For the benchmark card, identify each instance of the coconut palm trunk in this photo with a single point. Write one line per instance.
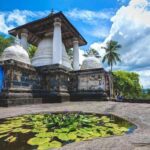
(112, 57)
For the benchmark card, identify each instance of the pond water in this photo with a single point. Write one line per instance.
(53, 130)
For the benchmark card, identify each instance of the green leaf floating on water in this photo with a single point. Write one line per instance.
(53, 144)
(111, 125)
(21, 130)
(11, 139)
(123, 129)
(5, 130)
(45, 134)
(38, 141)
(65, 127)
(39, 130)
(64, 130)
(105, 119)
(63, 137)
(72, 135)
(3, 135)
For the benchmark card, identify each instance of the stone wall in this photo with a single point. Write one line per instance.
(24, 84)
(91, 84)
(21, 85)
(55, 81)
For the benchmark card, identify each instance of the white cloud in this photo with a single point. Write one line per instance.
(94, 22)
(97, 46)
(144, 77)
(131, 28)
(11, 19)
(3, 27)
(89, 16)
(98, 32)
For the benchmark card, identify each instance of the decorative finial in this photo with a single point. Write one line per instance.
(17, 40)
(52, 12)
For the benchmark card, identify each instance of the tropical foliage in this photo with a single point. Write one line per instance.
(127, 84)
(70, 54)
(31, 50)
(111, 56)
(92, 52)
(45, 131)
(145, 94)
(5, 42)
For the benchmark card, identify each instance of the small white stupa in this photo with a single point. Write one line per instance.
(91, 62)
(16, 52)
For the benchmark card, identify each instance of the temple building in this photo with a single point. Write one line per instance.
(49, 76)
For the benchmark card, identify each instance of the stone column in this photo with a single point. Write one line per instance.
(57, 42)
(76, 54)
(24, 39)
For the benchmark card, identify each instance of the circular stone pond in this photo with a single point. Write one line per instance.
(53, 130)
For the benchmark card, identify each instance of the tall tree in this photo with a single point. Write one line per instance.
(5, 42)
(127, 84)
(111, 56)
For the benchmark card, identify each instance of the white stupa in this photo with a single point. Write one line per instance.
(91, 62)
(44, 54)
(52, 35)
(16, 52)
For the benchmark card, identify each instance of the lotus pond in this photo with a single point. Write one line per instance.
(53, 130)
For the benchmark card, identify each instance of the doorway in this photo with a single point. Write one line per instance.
(1, 78)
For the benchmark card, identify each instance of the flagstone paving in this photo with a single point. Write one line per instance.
(136, 113)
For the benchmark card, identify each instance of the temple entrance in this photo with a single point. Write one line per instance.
(1, 77)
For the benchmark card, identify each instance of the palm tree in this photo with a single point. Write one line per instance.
(111, 56)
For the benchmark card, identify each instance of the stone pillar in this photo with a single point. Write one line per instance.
(24, 39)
(57, 42)
(75, 54)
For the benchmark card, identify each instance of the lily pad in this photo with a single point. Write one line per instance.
(38, 141)
(72, 135)
(21, 130)
(105, 119)
(11, 139)
(53, 144)
(65, 127)
(3, 135)
(5, 131)
(63, 137)
(123, 129)
(39, 130)
(45, 134)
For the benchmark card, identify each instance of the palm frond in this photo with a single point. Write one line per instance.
(111, 56)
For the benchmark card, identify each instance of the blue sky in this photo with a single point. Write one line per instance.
(126, 21)
(63, 5)
(105, 6)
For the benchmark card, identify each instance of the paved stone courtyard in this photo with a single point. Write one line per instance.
(136, 113)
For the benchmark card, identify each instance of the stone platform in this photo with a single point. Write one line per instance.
(139, 114)
(25, 84)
